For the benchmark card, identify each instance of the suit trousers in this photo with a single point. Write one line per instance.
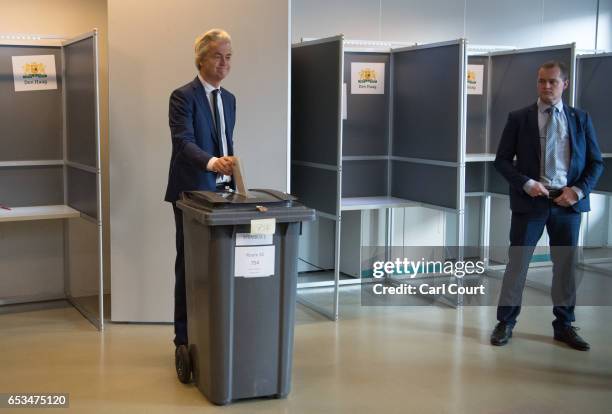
(563, 226)
(180, 298)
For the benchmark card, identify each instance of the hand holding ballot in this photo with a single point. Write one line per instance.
(224, 165)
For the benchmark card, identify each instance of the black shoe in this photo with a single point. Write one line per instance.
(501, 334)
(569, 336)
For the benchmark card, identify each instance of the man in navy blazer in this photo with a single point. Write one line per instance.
(549, 155)
(202, 117)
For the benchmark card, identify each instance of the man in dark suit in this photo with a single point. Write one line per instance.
(202, 117)
(558, 162)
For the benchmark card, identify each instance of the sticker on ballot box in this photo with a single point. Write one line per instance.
(248, 239)
(263, 226)
(254, 261)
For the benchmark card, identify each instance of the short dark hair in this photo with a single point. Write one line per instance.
(556, 64)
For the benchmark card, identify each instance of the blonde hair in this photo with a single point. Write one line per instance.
(202, 43)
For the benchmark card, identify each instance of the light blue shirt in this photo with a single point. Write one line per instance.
(562, 148)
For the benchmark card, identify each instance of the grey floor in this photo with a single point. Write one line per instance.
(384, 359)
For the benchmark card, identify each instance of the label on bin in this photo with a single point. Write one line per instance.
(248, 239)
(263, 226)
(254, 261)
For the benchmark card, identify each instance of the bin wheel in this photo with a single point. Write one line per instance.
(183, 364)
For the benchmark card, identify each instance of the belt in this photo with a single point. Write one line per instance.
(554, 193)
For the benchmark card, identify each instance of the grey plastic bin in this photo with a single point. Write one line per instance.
(240, 329)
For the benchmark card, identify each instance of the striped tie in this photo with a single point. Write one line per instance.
(553, 134)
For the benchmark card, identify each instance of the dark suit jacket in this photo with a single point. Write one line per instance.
(194, 142)
(521, 138)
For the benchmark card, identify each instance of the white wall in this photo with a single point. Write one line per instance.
(521, 23)
(150, 54)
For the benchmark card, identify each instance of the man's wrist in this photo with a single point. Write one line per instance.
(211, 163)
(578, 191)
(529, 185)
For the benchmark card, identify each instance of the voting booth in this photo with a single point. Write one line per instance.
(50, 173)
(415, 126)
(594, 95)
(510, 84)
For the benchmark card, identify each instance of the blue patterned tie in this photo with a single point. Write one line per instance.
(553, 134)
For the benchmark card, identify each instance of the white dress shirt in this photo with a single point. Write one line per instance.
(208, 89)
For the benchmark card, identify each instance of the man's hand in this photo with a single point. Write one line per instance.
(224, 165)
(537, 190)
(567, 198)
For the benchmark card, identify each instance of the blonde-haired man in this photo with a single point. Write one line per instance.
(550, 157)
(202, 117)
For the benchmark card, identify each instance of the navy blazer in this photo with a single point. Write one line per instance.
(194, 142)
(521, 138)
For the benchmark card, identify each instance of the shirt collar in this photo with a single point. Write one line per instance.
(208, 88)
(542, 107)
